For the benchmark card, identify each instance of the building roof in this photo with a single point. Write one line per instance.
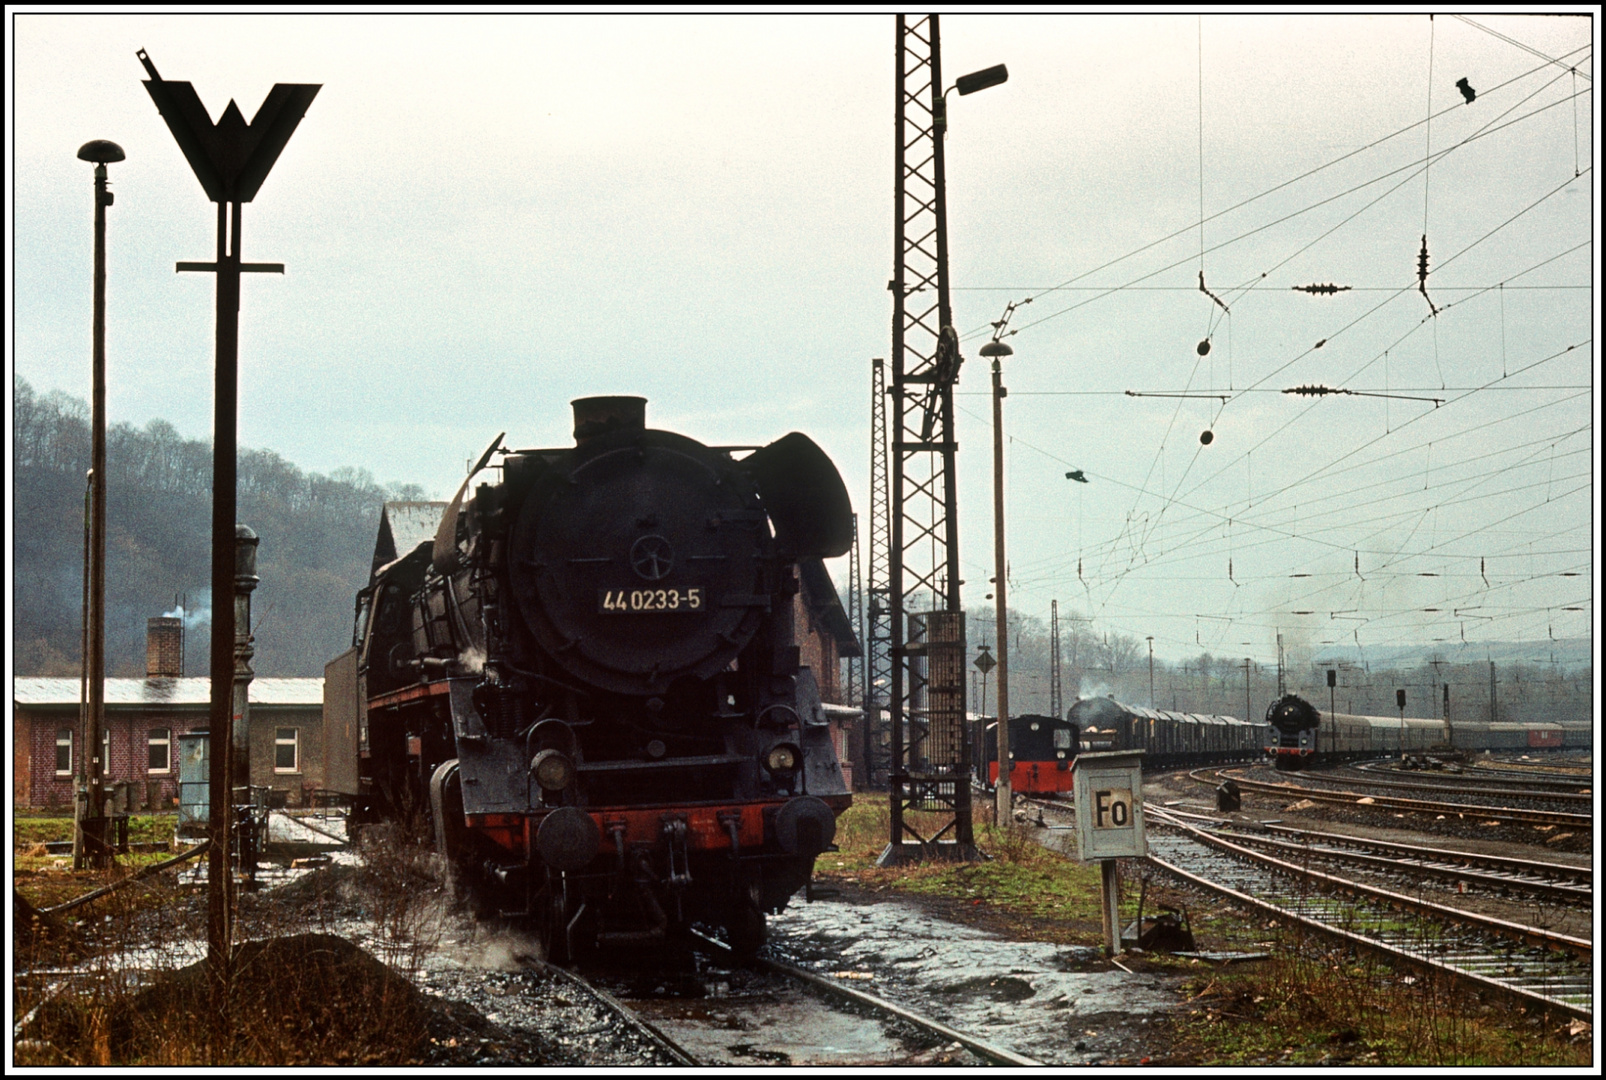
(826, 606)
(156, 693)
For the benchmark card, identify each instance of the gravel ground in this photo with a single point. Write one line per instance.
(482, 1003)
(1470, 834)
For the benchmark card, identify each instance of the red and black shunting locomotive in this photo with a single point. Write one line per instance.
(590, 680)
(1041, 752)
(1294, 722)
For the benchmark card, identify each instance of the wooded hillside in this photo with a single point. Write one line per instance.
(317, 539)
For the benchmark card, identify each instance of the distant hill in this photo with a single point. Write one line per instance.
(317, 541)
(1570, 654)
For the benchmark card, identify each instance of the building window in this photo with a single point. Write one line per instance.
(64, 751)
(159, 750)
(286, 750)
(105, 752)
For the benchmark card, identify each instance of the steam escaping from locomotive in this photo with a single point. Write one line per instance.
(589, 675)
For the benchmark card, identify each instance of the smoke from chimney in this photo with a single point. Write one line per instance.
(195, 617)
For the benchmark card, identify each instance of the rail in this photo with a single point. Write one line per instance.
(678, 1054)
(980, 1047)
(1390, 802)
(1557, 972)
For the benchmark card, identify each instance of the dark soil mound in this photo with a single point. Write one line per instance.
(310, 999)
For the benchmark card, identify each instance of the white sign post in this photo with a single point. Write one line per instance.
(1109, 823)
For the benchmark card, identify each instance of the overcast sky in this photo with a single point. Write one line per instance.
(485, 216)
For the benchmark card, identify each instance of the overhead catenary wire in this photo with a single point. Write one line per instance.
(1145, 534)
(1230, 514)
(1111, 290)
(1162, 510)
(1370, 574)
(1278, 187)
(1513, 41)
(1104, 604)
(1276, 534)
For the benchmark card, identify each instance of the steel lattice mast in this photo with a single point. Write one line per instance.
(930, 767)
(878, 612)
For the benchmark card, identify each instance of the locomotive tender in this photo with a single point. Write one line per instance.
(589, 681)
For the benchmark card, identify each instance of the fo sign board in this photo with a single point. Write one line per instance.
(1109, 805)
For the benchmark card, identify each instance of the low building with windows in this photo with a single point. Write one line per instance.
(139, 742)
(825, 638)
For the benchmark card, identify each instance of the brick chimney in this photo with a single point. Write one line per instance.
(164, 647)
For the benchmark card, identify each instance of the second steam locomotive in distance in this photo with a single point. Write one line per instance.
(590, 682)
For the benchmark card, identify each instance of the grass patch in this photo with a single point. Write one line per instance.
(46, 879)
(142, 829)
(1020, 881)
(1316, 1004)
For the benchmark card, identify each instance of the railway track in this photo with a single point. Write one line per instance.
(773, 1013)
(649, 1032)
(1391, 802)
(1553, 770)
(1564, 882)
(1529, 963)
(1564, 791)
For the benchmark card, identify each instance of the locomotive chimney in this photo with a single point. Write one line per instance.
(595, 416)
(164, 648)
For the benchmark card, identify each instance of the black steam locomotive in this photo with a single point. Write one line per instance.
(1295, 722)
(589, 681)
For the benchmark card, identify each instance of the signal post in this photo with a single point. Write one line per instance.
(1109, 824)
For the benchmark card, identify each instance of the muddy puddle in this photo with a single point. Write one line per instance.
(772, 1026)
(1056, 1003)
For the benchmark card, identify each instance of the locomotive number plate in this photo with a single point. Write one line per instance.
(641, 601)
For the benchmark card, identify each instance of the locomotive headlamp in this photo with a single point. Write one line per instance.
(783, 759)
(553, 770)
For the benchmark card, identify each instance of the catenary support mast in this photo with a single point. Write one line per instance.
(930, 768)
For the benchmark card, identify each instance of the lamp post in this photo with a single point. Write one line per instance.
(102, 152)
(997, 350)
(1248, 714)
(1151, 671)
(1399, 698)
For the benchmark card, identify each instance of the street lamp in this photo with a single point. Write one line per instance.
(102, 152)
(997, 350)
(968, 84)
